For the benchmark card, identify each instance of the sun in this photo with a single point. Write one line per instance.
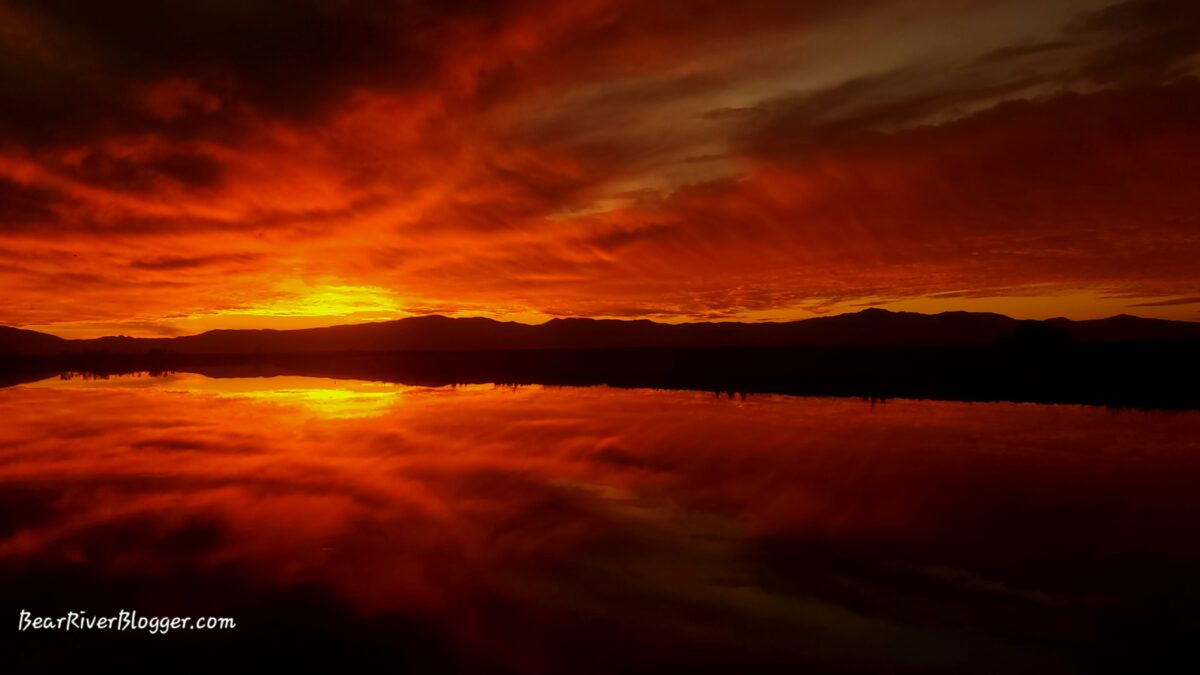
(302, 304)
(326, 300)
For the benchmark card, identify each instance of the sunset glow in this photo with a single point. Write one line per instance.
(316, 397)
(594, 337)
(168, 168)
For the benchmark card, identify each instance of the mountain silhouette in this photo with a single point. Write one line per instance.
(870, 327)
(29, 342)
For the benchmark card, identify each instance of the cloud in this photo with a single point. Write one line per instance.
(1146, 40)
(23, 206)
(189, 170)
(292, 59)
(529, 158)
(1023, 50)
(172, 263)
(1169, 303)
(611, 504)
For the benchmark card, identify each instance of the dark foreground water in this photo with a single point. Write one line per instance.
(363, 526)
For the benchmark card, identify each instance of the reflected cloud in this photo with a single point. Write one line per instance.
(529, 526)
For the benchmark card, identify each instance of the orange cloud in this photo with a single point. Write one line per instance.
(531, 159)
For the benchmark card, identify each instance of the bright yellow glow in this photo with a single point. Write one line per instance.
(300, 305)
(327, 403)
(291, 305)
(316, 396)
(340, 300)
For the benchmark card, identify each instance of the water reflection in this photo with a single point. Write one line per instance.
(317, 395)
(592, 530)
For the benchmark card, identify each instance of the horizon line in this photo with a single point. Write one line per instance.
(552, 319)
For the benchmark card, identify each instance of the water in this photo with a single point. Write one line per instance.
(538, 530)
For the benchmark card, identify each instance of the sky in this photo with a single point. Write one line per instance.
(172, 167)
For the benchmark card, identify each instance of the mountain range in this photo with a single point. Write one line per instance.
(870, 327)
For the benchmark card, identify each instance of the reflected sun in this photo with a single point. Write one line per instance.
(312, 396)
(317, 396)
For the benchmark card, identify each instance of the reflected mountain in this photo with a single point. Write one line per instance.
(1120, 361)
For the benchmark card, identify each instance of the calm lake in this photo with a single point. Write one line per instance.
(595, 530)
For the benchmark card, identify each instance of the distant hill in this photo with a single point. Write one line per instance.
(1125, 328)
(871, 327)
(18, 341)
